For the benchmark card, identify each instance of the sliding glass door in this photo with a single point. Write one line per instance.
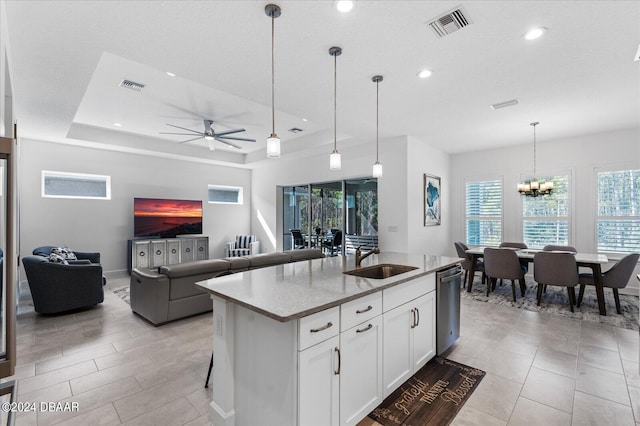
(334, 216)
(295, 214)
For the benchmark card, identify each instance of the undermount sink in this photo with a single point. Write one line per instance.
(384, 270)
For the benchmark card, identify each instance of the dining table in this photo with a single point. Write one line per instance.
(594, 261)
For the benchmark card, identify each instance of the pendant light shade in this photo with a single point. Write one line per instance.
(377, 167)
(273, 141)
(335, 161)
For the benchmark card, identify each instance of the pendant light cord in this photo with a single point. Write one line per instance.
(377, 116)
(534, 150)
(273, 110)
(335, 101)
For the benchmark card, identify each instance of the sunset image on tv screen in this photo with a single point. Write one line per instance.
(166, 218)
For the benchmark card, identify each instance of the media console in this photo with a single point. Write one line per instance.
(148, 253)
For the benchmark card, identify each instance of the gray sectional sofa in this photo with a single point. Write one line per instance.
(169, 293)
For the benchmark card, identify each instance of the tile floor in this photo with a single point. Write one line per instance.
(541, 369)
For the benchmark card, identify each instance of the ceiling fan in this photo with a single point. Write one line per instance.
(210, 135)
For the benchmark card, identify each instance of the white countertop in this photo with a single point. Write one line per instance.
(295, 290)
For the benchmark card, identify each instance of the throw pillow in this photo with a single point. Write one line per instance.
(64, 252)
(56, 258)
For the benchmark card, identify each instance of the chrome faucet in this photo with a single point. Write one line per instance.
(360, 256)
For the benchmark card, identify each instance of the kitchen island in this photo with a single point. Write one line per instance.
(303, 343)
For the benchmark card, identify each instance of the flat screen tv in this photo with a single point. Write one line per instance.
(166, 218)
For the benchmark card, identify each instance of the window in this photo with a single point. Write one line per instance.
(618, 221)
(75, 185)
(484, 212)
(545, 219)
(225, 194)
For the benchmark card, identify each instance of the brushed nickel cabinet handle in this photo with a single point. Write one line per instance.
(369, 327)
(418, 314)
(337, 351)
(362, 311)
(315, 330)
(413, 318)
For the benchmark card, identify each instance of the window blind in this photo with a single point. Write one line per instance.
(618, 223)
(546, 219)
(483, 200)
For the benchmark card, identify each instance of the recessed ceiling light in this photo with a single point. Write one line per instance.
(535, 33)
(304, 119)
(170, 74)
(344, 6)
(117, 124)
(424, 73)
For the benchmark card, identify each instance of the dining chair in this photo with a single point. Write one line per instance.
(517, 245)
(461, 249)
(513, 245)
(560, 269)
(297, 239)
(335, 242)
(553, 247)
(504, 264)
(615, 278)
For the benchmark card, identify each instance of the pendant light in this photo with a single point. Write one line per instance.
(535, 187)
(377, 167)
(334, 159)
(273, 141)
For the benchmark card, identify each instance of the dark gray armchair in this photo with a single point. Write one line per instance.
(56, 287)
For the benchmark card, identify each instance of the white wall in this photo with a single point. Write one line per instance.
(106, 225)
(422, 159)
(5, 100)
(400, 205)
(581, 156)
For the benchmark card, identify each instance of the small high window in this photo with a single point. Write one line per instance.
(219, 194)
(75, 185)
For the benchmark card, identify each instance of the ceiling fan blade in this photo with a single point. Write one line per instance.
(238, 139)
(184, 128)
(228, 132)
(189, 140)
(228, 143)
(170, 133)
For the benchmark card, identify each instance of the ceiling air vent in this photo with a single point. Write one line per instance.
(450, 22)
(128, 84)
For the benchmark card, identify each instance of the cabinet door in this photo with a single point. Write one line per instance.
(361, 371)
(188, 250)
(202, 248)
(140, 254)
(318, 384)
(158, 252)
(424, 333)
(173, 252)
(397, 352)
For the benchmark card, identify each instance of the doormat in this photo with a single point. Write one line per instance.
(432, 396)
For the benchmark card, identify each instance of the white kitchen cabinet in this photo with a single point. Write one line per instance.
(319, 383)
(360, 370)
(340, 378)
(409, 334)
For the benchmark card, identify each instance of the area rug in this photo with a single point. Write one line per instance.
(556, 302)
(432, 396)
(122, 293)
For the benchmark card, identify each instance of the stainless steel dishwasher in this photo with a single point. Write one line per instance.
(447, 307)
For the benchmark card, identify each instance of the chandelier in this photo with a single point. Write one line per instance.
(534, 187)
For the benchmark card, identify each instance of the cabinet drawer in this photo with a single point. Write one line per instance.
(402, 293)
(360, 310)
(318, 327)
